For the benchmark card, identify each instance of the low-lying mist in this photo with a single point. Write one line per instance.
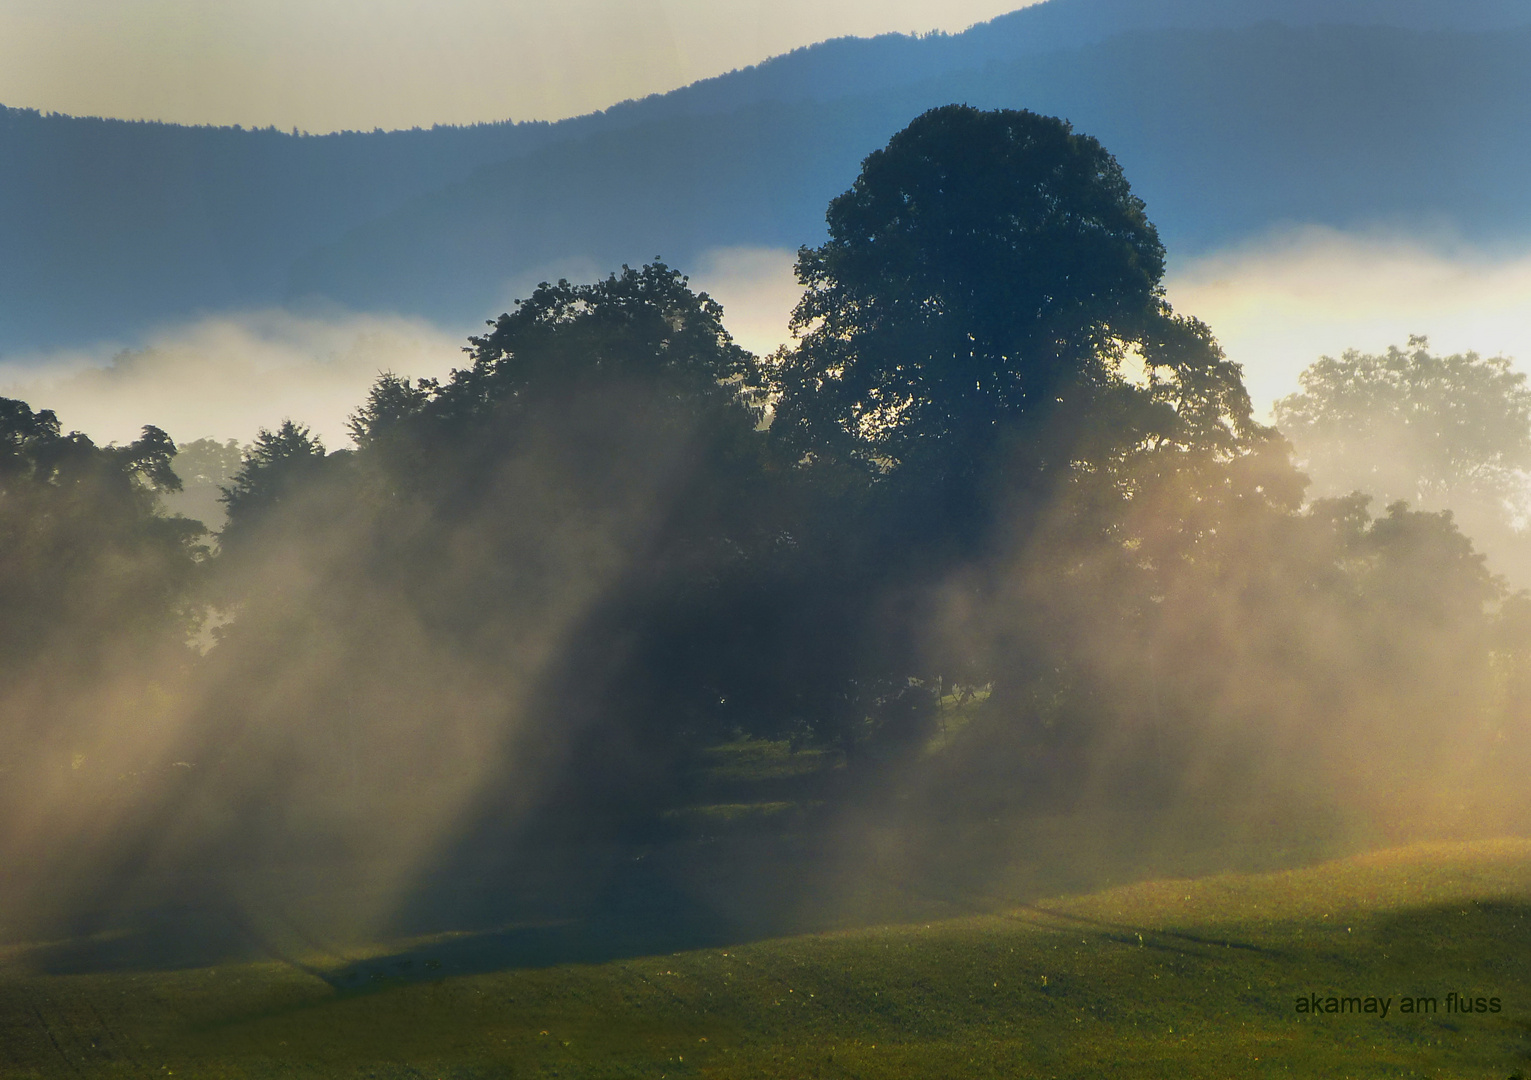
(227, 376)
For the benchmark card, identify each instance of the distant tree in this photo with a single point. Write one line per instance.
(204, 467)
(1408, 424)
(208, 462)
(87, 561)
(1440, 432)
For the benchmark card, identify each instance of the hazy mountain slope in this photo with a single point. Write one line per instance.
(1223, 132)
(848, 67)
(107, 227)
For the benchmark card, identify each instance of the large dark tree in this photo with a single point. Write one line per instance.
(984, 331)
(985, 275)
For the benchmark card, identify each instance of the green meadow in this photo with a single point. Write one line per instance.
(1166, 978)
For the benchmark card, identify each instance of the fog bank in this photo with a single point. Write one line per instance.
(227, 376)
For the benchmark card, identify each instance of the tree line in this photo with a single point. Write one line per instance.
(994, 456)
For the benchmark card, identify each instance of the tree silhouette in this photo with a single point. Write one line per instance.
(988, 311)
(984, 329)
(278, 465)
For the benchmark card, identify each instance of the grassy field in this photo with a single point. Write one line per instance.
(1170, 978)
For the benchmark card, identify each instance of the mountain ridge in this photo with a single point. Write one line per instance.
(108, 227)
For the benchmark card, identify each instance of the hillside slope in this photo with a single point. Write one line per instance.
(1223, 111)
(1224, 133)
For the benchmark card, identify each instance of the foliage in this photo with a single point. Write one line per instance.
(985, 271)
(89, 564)
(1441, 432)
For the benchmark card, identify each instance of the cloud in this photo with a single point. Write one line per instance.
(228, 376)
(757, 289)
(1281, 301)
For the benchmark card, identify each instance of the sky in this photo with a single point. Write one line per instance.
(330, 65)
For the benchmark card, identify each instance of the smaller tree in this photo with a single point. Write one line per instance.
(642, 326)
(204, 468)
(276, 467)
(1439, 432)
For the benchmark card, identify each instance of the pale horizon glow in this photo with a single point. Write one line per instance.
(348, 65)
(228, 376)
(1279, 302)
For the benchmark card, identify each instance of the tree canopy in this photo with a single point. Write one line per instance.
(1410, 424)
(276, 467)
(1440, 432)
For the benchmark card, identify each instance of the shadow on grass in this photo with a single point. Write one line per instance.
(623, 911)
(582, 942)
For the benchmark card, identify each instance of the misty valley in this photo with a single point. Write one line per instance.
(973, 686)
